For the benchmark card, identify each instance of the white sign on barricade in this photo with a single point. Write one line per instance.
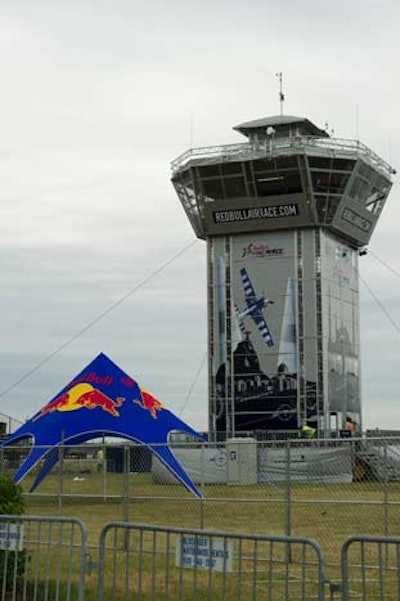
(204, 552)
(11, 537)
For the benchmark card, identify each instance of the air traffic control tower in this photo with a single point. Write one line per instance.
(286, 216)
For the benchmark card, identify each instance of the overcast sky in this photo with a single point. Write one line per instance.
(97, 97)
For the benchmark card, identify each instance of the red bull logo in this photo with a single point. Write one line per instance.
(149, 403)
(83, 395)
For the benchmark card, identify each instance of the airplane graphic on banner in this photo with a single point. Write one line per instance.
(255, 307)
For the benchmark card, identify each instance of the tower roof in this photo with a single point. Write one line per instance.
(279, 123)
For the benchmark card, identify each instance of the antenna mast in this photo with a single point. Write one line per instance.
(281, 94)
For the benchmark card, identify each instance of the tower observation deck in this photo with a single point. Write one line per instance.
(285, 216)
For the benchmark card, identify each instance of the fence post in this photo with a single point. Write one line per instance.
(60, 472)
(125, 504)
(104, 468)
(288, 513)
(386, 499)
(386, 489)
(288, 516)
(202, 478)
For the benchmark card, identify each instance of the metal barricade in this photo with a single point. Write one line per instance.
(174, 564)
(42, 558)
(371, 568)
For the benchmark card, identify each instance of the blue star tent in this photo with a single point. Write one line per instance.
(101, 400)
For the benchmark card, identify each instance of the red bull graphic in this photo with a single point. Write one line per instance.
(149, 402)
(82, 395)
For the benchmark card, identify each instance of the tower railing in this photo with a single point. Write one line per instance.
(331, 147)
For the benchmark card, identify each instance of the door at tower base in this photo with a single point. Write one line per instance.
(253, 341)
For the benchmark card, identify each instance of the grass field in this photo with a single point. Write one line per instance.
(327, 513)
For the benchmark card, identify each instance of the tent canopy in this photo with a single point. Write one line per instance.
(102, 400)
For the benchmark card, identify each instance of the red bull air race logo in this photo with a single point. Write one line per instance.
(260, 250)
(84, 395)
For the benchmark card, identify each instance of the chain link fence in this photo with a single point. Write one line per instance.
(327, 490)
